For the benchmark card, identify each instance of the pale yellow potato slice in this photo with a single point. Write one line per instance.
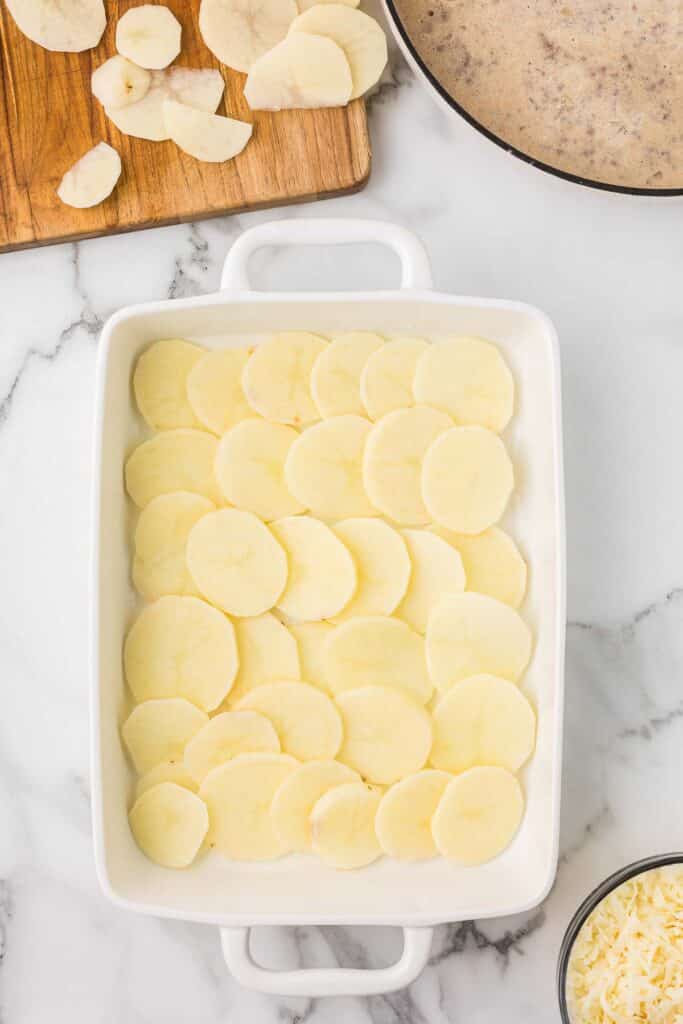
(238, 32)
(226, 736)
(376, 650)
(467, 479)
(303, 72)
(70, 26)
(382, 566)
(343, 826)
(335, 377)
(386, 383)
(149, 35)
(361, 38)
(478, 815)
(267, 653)
(493, 564)
(469, 379)
(324, 468)
(181, 647)
(250, 468)
(404, 818)
(307, 722)
(483, 720)
(159, 565)
(174, 460)
(310, 638)
(276, 379)
(169, 824)
(437, 572)
(322, 574)
(238, 795)
(158, 730)
(392, 461)
(471, 634)
(387, 735)
(214, 389)
(160, 383)
(165, 771)
(293, 803)
(236, 562)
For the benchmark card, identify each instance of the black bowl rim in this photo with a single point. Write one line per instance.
(539, 164)
(591, 901)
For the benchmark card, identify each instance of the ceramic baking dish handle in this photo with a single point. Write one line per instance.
(415, 269)
(327, 981)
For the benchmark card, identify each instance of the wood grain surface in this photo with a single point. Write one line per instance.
(49, 118)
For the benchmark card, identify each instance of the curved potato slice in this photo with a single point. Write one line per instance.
(302, 72)
(404, 817)
(293, 803)
(376, 650)
(70, 26)
(250, 468)
(386, 383)
(277, 377)
(387, 735)
(240, 31)
(322, 575)
(382, 566)
(214, 389)
(493, 564)
(478, 815)
(324, 468)
(360, 37)
(160, 383)
(159, 565)
(267, 651)
(158, 730)
(335, 378)
(343, 826)
(437, 573)
(174, 460)
(306, 720)
(226, 736)
(165, 771)
(169, 824)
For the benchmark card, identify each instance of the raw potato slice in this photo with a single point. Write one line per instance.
(471, 634)
(310, 638)
(158, 730)
(375, 650)
(382, 565)
(343, 826)
(276, 379)
(165, 771)
(296, 797)
(483, 720)
(236, 562)
(386, 383)
(393, 460)
(207, 137)
(175, 460)
(92, 178)
(324, 468)
(493, 564)
(322, 575)
(70, 26)
(306, 721)
(159, 565)
(387, 735)
(478, 815)
(250, 468)
(467, 479)
(335, 378)
(302, 72)
(118, 82)
(169, 824)
(238, 795)
(359, 36)
(181, 647)
(149, 35)
(240, 31)
(196, 87)
(305, 4)
(404, 818)
(214, 389)
(226, 736)
(201, 88)
(160, 383)
(267, 652)
(469, 379)
(437, 574)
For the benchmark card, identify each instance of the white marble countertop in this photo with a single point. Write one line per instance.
(607, 269)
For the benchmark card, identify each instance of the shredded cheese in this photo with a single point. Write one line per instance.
(626, 965)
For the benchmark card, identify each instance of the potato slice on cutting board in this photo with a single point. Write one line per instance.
(238, 32)
(322, 574)
(294, 801)
(118, 82)
(478, 815)
(310, 638)
(493, 563)
(471, 634)
(236, 562)
(360, 37)
(226, 736)
(149, 35)
(404, 817)
(160, 383)
(169, 824)
(376, 650)
(343, 826)
(437, 573)
(387, 735)
(335, 378)
(382, 566)
(174, 460)
(305, 719)
(214, 389)
(201, 88)
(165, 771)
(159, 564)
(277, 377)
(267, 652)
(92, 178)
(238, 795)
(69, 26)
(207, 137)
(181, 647)
(302, 72)
(250, 468)
(386, 383)
(324, 468)
(158, 730)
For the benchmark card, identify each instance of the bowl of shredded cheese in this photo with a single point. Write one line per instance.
(621, 960)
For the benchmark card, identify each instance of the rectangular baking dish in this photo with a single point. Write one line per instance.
(299, 890)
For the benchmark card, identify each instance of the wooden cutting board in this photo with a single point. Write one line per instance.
(49, 118)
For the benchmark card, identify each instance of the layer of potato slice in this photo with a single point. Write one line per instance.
(169, 824)
(306, 720)
(158, 730)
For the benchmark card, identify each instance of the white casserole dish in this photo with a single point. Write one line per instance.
(299, 890)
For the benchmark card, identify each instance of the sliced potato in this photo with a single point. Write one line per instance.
(382, 566)
(387, 735)
(174, 460)
(238, 32)
(310, 638)
(375, 650)
(322, 575)
(165, 771)
(214, 389)
(478, 815)
(335, 378)
(293, 803)
(437, 573)
(158, 730)
(159, 565)
(302, 72)
(493, 563)
(197, 87)
(386, 383)
(207, 137)
(118, 82)
(160, 383)
(149, 35)
(226, 736)
(324, 468)
(276, 379)
(92, 178)
(69, 26)
(306, 721)
(343, 826)
(404, 818)
(169, 824)
(250, 468)
(267, 651)
(360, 37)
